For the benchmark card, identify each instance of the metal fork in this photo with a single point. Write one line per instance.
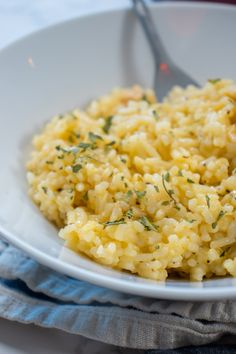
(167, 73)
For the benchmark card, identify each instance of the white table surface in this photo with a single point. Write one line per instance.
(18, 18)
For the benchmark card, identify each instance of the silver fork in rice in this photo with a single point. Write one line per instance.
(167, 74)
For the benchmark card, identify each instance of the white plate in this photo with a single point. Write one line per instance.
(66, 65)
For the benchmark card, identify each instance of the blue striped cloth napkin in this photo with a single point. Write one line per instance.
(32, 293)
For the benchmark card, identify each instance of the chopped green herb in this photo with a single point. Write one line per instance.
(72, 149)
(122, 178)
(221, 214)
(148, 225)
(156, 188)
(128, 195)
(84, 146)
(49, 162)
(115, 222)
(140, 194)
(214, 81)
(180, 173)
(170, 192)
(60, 116)
(107, 124)
(130, 213)
(94, 137)
(167, 177)
(191, 221)
(122, 159)
(190, 180)
(224, 251)
(176, 207)
(166, 202)
(61, 157)
(126, 185)
(156, 115)
(208, 201)
(76, 168)
(144, 98)
(111, 143)
(85, 196)
(45, 189)
(157, 247)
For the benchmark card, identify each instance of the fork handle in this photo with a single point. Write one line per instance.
(144, 15)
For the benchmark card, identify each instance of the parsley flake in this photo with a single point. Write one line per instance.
(140, 194)
(107, 124)
(128, 195)
(208, 201)
(76, 168)
(115, 222)
(214, 81)
(129, 213)
(45, 189)
(190, 180)
(148, 225)
(221, 214)
(170, 192)
(167, 177)
(84, 146)
(94, 137)
(111, 143)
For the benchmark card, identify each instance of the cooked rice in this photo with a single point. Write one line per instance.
(144, 186)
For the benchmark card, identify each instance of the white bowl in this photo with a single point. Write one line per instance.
(66, 65)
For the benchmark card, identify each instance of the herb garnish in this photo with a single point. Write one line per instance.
(128, 195)
(166, 202)
(122, 159)
(191, 221)
(148, 225)
(45, 189)
(221, 214)
(76, 168)
(156, 188)
(115, 222)
(180, 173)
(85, 196)
(107, 124)
(167, 177)
(140, 194)
(190, 180)
(156, 115)
(129, 213)
(223, 252)
(49, 162)
(111, 143)
(208, 201)
(84, 146)
(214, 81)
(144, 98)
(94, 137)
(170, 192)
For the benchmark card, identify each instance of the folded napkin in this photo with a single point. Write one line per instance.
(32, 293)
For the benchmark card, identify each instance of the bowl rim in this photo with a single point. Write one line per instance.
(154, 290)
